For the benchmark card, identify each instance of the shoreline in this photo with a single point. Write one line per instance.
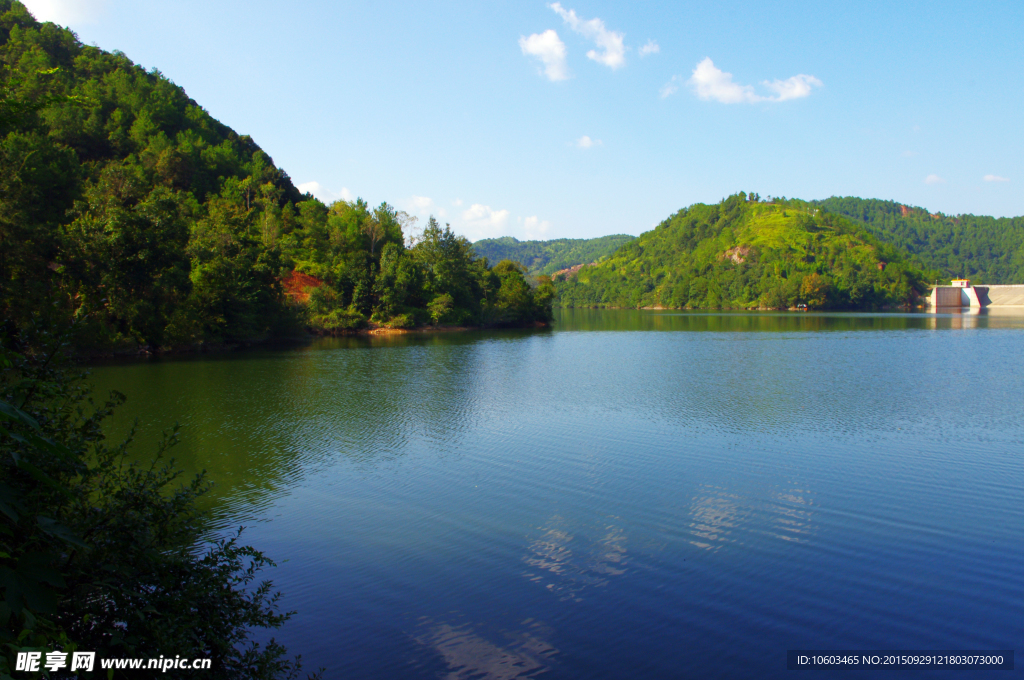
(202, 348)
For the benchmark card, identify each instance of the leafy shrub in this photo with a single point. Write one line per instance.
(402, 321)
(338, 320)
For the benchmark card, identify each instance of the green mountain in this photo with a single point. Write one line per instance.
(744, 253)
(986, 249)
(547, 257)
(126, 206)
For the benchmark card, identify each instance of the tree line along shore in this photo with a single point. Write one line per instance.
(131, 212)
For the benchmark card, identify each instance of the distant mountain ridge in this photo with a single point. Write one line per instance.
(547, 257)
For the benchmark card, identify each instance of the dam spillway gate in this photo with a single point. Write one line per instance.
(977, 296)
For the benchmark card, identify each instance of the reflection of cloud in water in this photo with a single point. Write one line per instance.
(718, 518)
(713, 519)
(573, 563)
(469, 655)
(792, 516)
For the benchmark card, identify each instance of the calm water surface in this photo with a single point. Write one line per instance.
(626, 495)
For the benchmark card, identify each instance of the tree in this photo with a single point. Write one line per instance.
(441, 307)
(407, 223)
(374, 231)
(448, 263)
(126, 250)
(398, 282)
(816, 290)
(514, 299)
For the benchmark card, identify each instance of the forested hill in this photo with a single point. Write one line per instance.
(744, 253)
(547, 257)
(986, 249)
(125, 205)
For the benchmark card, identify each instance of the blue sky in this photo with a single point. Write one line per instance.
(579, 119)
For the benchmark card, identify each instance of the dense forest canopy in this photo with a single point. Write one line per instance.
(548, 257)
(126, 203)
(743, 253)
(986, 249)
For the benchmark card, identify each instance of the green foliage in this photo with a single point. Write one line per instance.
(398, 280)
(745, 253)
(441, 308)
(516, 300)
(986, 249)
(126, 204)
(547, 257)
(402, 321)
(328, 312)
(450, 269)
(124, 199)
(98, 553)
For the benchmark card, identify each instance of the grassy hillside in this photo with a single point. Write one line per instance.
(744, 253)
(986, 249)
(547, 257)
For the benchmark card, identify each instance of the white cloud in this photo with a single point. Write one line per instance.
(422, 203)
(797, 87)
(995, 178)
(478, 213)
(650, 47)
(712, 83)
(482, 221)
(325, 195)
(535, 228)
(68, 12)
(934, 179)
(424, 206)
(671, 87)
(476, 221)
(613, 52)
(550, 50)
(586, 142)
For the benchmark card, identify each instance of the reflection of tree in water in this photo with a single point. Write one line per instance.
(260, 423)
(521, 654)
(567, 564)
(713, 518)
(585, 319)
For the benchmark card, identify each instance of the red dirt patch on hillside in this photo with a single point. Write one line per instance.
(737, 254)
(571, 271)
(297, 286)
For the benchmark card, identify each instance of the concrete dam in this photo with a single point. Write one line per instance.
(962, 294)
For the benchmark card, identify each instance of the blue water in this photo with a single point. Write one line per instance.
(627, 495)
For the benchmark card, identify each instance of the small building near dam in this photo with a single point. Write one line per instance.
(960, 293)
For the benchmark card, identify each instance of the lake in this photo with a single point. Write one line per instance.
(628, 494)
